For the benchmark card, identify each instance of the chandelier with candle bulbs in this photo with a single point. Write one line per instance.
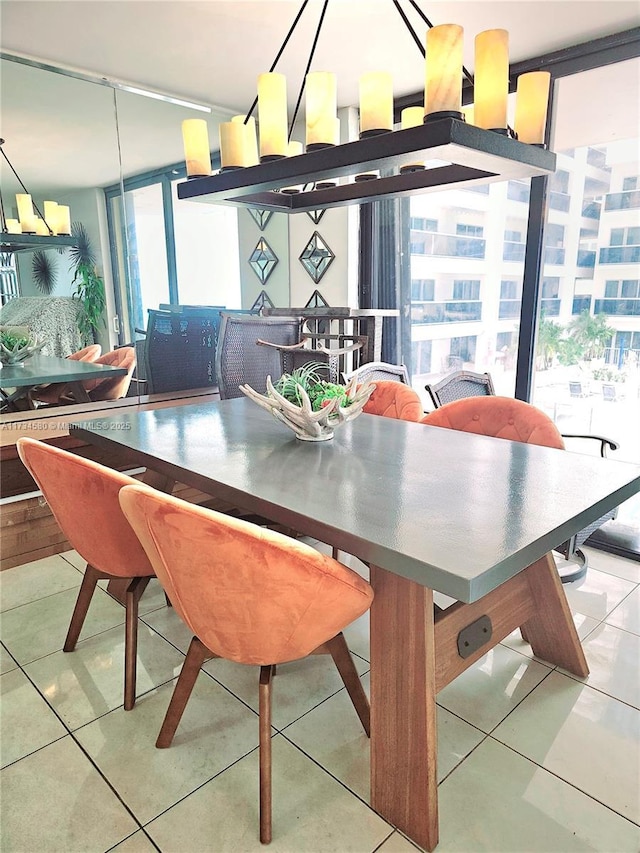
(438, 146)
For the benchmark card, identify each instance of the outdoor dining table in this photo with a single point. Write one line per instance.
(429, 510)
(43, 369)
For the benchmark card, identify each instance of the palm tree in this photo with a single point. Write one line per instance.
(592, 333)
(548, 341)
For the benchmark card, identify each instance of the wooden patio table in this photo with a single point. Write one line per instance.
(430, 510)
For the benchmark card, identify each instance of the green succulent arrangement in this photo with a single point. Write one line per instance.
(309, 377)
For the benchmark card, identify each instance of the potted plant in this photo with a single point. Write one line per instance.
(89, 285)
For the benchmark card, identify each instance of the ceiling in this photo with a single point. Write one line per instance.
(61, 132)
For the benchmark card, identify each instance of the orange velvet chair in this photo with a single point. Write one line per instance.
(117, 387)
(52, 393)
(394, 400)
(83, 497)
(500, 417)
(249, 595)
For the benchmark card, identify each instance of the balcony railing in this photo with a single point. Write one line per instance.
(509, 308)
(447, 245)
(628, 200)
(446, 312)
(620, 255)
(586, 258)
(592, 209)
(553, 255)
(513, 251)
(550, 307)
(580, 304)
(559, 201)
(618, 307)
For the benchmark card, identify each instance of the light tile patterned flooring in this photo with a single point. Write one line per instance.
(529, 757)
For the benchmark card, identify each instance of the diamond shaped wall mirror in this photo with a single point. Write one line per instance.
(262, 260)
(316, 257)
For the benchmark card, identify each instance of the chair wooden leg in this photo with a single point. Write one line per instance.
(266, 673)
(132, 597)
(349, 674)
(198, 653)
(89, 581)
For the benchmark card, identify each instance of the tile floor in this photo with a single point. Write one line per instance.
(530, 758)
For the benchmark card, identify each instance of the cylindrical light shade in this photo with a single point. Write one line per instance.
(321, 108)
(532, 98)
(26, 214)
(41, 227)
(250, 140)
(64, 219)
(272, 115)
(197, 154)
(443, 83)
(411, 117)
(232, 144)
(376, 103)
(491, 79)
(13, 226)
(51, 215)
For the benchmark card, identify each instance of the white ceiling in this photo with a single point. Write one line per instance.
(61, 131)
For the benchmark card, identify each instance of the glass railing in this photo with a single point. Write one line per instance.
(618, 307)
(628, 200)
(592, 209)
(586, 258)
(559, 201)
(550, 307)
(553, 255)
(512, 251)
(509, 308)
(447, 312)
(448, 245)
(580, 304)
(620, 255)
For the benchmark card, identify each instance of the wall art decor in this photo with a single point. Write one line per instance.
(262, 301)
(261, 217)
(263, 261)
(316, 257)
(316, 215)
(316, 300)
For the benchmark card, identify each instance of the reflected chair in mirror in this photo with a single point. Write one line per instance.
(394, 400)
(327, 350)
(458, 385)
(241, 360)
(180, 349)
(50, 394)
(504, 417)
(375, 370)
(110, 388)
(251, 596)
(83, 497)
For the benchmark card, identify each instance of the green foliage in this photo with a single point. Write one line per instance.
(89, 285)
(592, 333)
(605, 374)
(12, 341)
(319, 390)
(548, 340)
(570, 351)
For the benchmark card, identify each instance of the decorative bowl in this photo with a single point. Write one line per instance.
(15, 348)
(307, 424)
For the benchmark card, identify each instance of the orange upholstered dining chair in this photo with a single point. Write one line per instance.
(249, 595)
(116, 387)
(83, 497)
(394, 400)
(52, 393)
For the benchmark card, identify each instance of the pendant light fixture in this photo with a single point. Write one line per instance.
(438, 151)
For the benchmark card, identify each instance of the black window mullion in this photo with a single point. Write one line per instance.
(172, 269)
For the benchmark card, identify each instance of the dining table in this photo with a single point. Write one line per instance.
(44, 369)
(429, 510)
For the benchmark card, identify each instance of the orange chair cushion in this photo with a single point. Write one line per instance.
(394, 400)
(116, 387)
(52, 392)
(250, 594)
(90, 353)
(83, 497)
(500, 417)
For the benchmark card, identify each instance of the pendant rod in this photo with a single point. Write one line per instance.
(38, 211)
(279, 54)
(304, 76)
(414, 34)
(466, 73)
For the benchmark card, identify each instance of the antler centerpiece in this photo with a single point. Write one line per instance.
(309, 406)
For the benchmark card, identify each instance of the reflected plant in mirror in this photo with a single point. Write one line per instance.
(89, 285)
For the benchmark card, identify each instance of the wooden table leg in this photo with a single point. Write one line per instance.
(404, 785)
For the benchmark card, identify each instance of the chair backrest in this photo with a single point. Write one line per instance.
(500, 417)
(608, 392)
(83, 497)
(375, 370)
(394, 400)
(575, 389)
(250, 594)
(241, 360)
(458, 385)
(116, 387)
(180, 349)
(90, 353)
